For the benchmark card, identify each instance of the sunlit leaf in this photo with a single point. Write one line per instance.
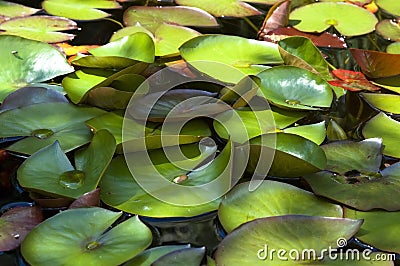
(385, 102)
(377, 64)
(9, 9)
(277, 17)
(389, 6)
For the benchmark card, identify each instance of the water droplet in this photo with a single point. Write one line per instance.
(72, 179)
(292, 102)
(42, 133)
(92, 245)
(180, 179)
(16, 236)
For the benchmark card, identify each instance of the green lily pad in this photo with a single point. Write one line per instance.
(22, 59)
(40, 28)
(250, 244)
(263, 2)
(31, 95)
(389, 6)
(335, 131)
(294, 155)
(239, 56)
(345, 156)
(11, 10)
(314, 132)
(389, 29)
(182, 257)
(45, 123)
(382, 126)
(50, 172)
(120, 189)
(296, 88)
(271, 199)
(385, 102)
(138, 46)
(147, 257)
(105, 62)
(380, 228)
(223, 8)
(79, 10)
(83, 231)
(348, 19)
(301, 52)
(393, 48)
(151, 17)
(16, 224)
(126, 31)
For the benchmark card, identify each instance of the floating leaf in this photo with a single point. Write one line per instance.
(270, 199)
(345, 156)
(50, 172)
(380, 228)
(45, 123)
(222, 8)
(385, 102)
(182, 257)
(389, 29)
(16, 223)
(352, 81)
(393, 48)
(389, 6)
(238, 56)
(89, 199)
(9, 9)
(147, 257)
(382, 126)
(323, 39)
(250, 244)
(21, 60)
(83, 230)
(335, 131)
(277, 17)
(40, 28)
(297, 88)
(294, 155)
(377, 64)
(31, 95)
(314, 132)
(348, 19)
(138, 46)
(151, 17)
(79, 10)
(301, 52)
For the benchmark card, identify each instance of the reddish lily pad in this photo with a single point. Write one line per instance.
(222, 8)
(40, 28)
(348, 19)
(16, 223)
(277, 17)
(377, 64)
(352, 81)
(89, 199)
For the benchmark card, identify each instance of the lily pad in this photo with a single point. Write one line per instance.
(222, 8)
(250, 244)
(151, 17)
(147, 257)
(83, 230)
(89, 199)
(22, 58)
(377, 64)
(277, 17)
(351, 81)
(389, 6)
(385, 102)
(294, 155)
(345, 156)
(40, 28)
(182, 257)
(296, 88)
(301, 52)
(335, 132)
(393, 48)
(270, 199)
(239, 55)
(314, 132)
(50, 172)
(79, 10)
(16, 224)
(348, 19)
(138, 46)
(11, 10)
(380, 228)
(389, 29)
(31, 95)
(382, 126)
(48, 122)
